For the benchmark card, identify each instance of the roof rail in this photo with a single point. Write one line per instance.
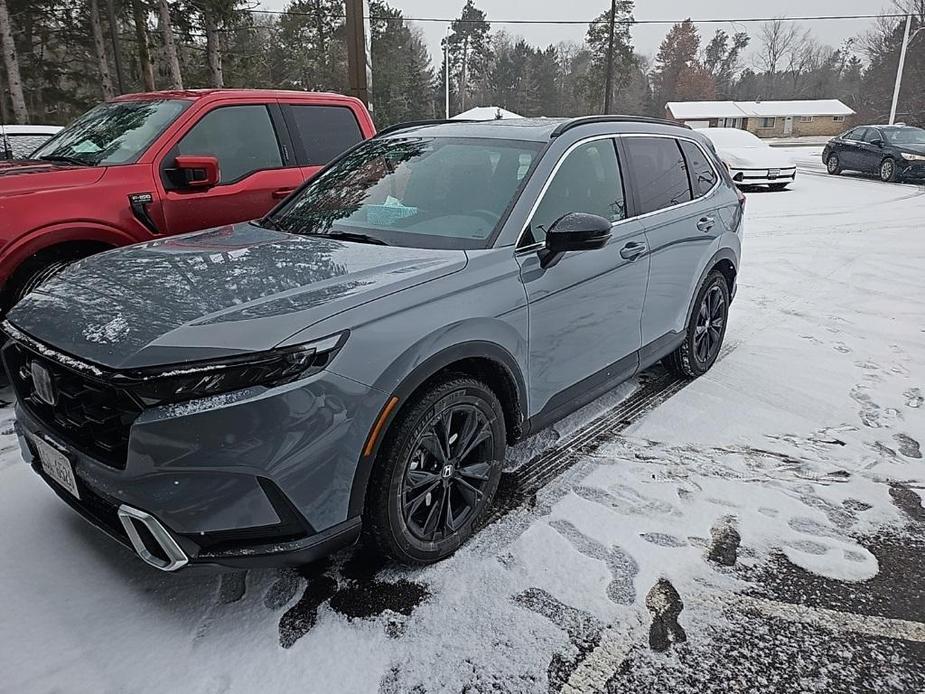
(589, 120)
(419, 123)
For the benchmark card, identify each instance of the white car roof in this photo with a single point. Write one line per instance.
(732, 137)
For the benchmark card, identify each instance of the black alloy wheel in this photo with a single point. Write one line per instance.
(436, 471)
(705, 331)
(711, 324)
(447, 474)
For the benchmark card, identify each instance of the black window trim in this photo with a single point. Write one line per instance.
(170, 156)
(617, 137)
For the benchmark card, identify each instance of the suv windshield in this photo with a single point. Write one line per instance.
(439, 192)
(113, 133)
(906, 136)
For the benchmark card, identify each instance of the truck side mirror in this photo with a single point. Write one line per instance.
(198, 171)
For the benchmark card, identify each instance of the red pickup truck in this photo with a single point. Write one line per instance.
(147, 165)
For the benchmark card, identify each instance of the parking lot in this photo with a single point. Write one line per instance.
(759, 529)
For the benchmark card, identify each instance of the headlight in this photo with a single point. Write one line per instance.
(913, 157)
(202, 379)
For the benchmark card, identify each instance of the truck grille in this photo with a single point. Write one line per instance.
(86, 413)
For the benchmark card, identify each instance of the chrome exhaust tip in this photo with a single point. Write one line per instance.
(150, 540)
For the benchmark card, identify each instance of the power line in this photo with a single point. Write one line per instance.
(444, 20)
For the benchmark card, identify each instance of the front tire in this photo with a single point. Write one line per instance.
(888, 171)
(833, 164)
(437, 471)
(35, 272)
(706, 329)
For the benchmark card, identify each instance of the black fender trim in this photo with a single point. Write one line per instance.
(423, 371)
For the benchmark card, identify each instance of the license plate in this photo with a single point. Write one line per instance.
(773, 173)
(56, 465)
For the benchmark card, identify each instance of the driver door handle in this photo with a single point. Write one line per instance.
(706, 223)
(282, 193)
(632, 250)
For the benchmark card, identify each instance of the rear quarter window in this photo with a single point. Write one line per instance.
(324, 132)
(702, 174)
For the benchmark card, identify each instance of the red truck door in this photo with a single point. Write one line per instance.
(321, 132)
(257, 168)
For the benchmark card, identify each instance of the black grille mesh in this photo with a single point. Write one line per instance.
(90, 415)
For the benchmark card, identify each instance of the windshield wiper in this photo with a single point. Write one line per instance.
(350, 236)
(65, 159)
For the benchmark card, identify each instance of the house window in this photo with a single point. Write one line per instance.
(838, 119)
(767, 122)
(806, 119)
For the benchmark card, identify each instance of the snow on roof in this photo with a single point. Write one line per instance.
(692, 110)
(685, 110)
(486, 113)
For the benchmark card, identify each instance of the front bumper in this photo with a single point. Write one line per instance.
(262, 477)
(911, 169)
(756, 177)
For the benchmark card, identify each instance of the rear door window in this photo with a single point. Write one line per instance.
(872, 135)
(241, 137)
(702, 174)
(660, 172)
(856, 135)
(324, 132)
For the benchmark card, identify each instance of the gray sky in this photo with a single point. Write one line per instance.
(646, 38)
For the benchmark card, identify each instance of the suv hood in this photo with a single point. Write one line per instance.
(29, 176)
(216, 293)
(754, 157)
(912, 149)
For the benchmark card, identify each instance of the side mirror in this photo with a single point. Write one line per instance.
(877, 143)
(575, 231)
(198, 171)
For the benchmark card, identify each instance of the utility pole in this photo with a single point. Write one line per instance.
(446, 72)
(116, 52)
(608, 82)
(899, 70)
(357, 56)
(463, 82)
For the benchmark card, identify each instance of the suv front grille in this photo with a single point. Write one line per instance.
(88, 413)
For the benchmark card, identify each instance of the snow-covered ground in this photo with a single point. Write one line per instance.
(779, 499)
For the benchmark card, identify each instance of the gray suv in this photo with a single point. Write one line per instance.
(254, 394)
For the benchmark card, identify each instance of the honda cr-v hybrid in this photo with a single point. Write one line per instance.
(253, 394)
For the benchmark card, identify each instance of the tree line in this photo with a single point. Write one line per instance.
(61, 56)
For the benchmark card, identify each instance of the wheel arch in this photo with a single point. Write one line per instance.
(64, 235)
(725, 261)
(487, 361)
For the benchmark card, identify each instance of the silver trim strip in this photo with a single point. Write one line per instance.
(614, 136)
(176, 557)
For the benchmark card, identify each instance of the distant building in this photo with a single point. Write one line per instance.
(765, 118)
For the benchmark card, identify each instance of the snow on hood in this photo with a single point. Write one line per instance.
(215, 293)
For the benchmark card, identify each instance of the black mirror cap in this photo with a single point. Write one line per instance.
(578, 231)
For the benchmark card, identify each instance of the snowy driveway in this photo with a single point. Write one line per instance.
(760, 529)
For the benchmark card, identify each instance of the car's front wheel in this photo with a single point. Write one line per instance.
(833, 164)
(888, 171)
(706, 329)
(437, 471)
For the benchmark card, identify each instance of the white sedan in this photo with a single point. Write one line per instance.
(751, 161)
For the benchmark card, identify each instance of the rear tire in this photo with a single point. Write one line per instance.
(437, 472)
(833, 164)
(706, 329)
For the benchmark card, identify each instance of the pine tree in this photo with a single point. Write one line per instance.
(624, 61)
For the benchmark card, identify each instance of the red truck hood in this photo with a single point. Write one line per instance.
(29, 176)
